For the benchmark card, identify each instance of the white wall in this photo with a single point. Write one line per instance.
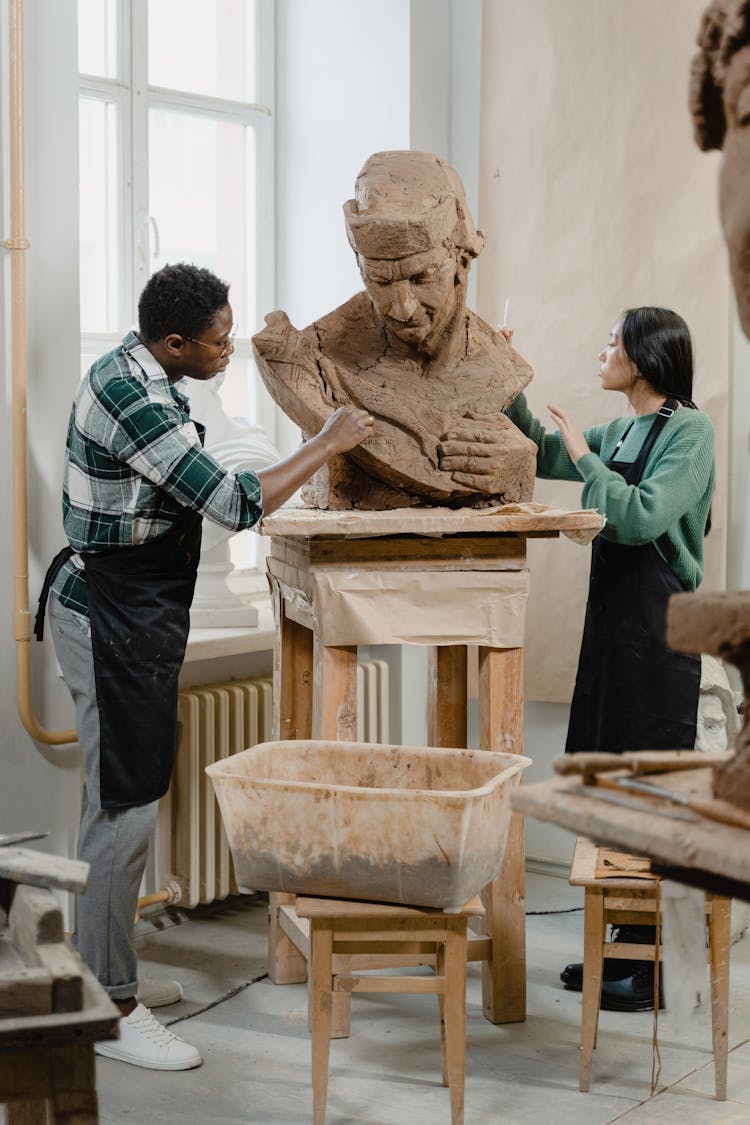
(40, 786)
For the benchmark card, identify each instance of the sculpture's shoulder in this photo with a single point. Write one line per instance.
(351, 335)
(489, 355)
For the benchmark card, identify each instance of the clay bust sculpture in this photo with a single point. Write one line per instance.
(720, 104)
(435, 377)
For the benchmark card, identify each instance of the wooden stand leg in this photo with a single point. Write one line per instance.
(447, 706)
(26, 1113)
(501, 728)
(292, 679)
(440, 972)
(455, 1017)
(334, 692)
(719, 929)
(292, 695)
(321, 995)
(593, 963)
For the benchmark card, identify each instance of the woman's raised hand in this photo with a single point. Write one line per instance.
(346, 428)
(570, 432)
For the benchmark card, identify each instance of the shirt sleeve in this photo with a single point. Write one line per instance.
(157, 440)
(677, 479)
(553, 460)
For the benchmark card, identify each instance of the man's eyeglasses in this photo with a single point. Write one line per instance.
(223, 349)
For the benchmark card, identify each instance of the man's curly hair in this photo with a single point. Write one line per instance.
(181, 298)
(724, 30)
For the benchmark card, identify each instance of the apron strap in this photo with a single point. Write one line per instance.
(59, 561)
(663, 414)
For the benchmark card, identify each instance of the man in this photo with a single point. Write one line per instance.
(136, 486)
(435, 376)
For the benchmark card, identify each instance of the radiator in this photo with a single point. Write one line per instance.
(215, 721)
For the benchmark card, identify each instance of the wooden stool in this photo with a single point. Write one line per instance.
(633, 902)
(341, 927)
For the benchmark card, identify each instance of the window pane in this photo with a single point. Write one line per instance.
(202, 196)
(99, 215)
(203, 47)
(97, 37)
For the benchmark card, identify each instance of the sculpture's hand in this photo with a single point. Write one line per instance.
(471, 452)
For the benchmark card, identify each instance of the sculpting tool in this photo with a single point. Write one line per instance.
(624, 803)
(712, 809)
(20, 838)
(505, 313)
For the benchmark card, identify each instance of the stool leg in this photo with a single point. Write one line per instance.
(286, 965)
(440, 972)
(321, 996)
(341, 1009)
(593, 961)
(719, 941)
(455, 1016)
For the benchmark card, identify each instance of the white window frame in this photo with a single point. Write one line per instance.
(134, 97)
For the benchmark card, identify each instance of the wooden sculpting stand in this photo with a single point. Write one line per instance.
(313, 556)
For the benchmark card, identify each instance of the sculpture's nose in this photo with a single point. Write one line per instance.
(403, 302)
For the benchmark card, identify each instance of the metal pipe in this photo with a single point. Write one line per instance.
(17, 245)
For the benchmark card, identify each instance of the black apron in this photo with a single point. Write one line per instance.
(139, 604)
(632, 691)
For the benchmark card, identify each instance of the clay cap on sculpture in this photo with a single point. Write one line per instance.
(406, 203)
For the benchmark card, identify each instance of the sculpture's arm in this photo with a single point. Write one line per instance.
(296, 374)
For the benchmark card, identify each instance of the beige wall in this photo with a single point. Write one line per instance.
(594, 198)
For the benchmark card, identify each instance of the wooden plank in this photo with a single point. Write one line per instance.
(408, 552)
(35, 918)
(98, 1019)
(447, 695)
(422, 985)
(309, 906)
(23, 990)
(334, 691)
(25, 865)
(286, 964)
(64, 966)
(428, 521)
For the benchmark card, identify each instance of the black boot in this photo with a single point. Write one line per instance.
(633, 994)
(614, 969)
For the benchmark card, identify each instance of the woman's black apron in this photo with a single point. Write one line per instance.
(632, 691)
(139, 604)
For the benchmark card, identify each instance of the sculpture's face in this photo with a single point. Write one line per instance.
(734, 183)
(416, 296)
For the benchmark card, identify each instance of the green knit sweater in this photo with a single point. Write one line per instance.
(670, 505)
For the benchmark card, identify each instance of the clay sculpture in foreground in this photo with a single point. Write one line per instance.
(409, 351)
(720, 104)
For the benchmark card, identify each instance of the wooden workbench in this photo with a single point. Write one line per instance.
(430, 576)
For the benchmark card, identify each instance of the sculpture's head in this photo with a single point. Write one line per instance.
(414, 238)
(720, 104)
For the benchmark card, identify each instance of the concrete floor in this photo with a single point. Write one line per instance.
(253, 1037)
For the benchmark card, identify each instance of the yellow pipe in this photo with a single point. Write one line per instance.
(17, 245)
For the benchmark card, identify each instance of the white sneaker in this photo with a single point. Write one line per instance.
(158, 993)
(144, 1042)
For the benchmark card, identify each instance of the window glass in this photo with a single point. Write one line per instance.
(99, 215)
(97, 37)
(203, 47)
(201, 192)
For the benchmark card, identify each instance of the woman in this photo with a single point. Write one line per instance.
(652, 476)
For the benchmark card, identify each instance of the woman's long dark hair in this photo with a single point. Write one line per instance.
(658, 342)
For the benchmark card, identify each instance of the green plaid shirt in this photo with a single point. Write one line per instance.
(134, 462)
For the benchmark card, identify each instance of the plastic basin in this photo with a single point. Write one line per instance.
(404, 824)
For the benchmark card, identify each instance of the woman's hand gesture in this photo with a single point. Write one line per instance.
(570, 432)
